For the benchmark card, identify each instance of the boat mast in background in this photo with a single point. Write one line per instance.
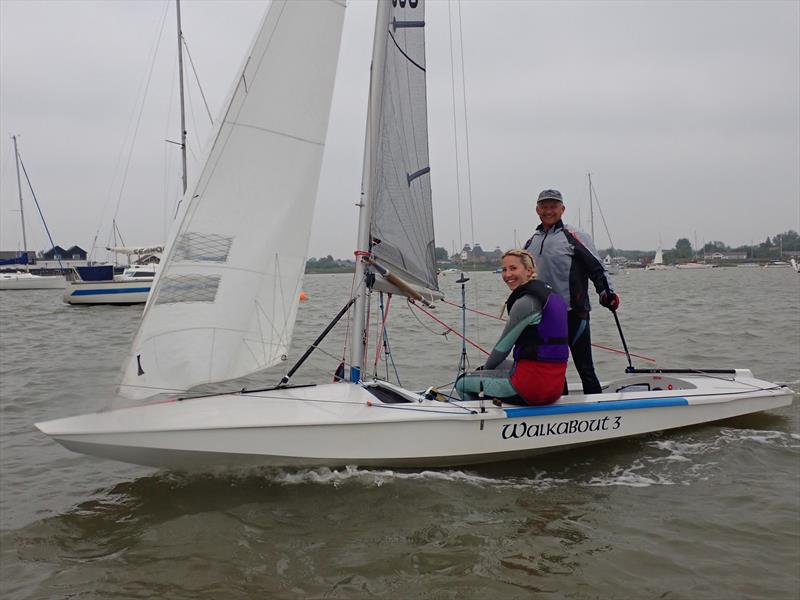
(591, 210)
(21, 209)
(27, 281)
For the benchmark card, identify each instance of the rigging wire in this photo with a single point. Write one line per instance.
(146, 84)
(455, 128)
(382, 340)
(39, 208)
(197, 79)
(448, 328)
(594, 344)
(466, 147)
(466, 127)
(456, 45)
(602, 216)
(117, 232)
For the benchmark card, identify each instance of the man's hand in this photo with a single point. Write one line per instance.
(610, 300)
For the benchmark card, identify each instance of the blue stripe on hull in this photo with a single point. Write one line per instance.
(112, 291)
(560, 409)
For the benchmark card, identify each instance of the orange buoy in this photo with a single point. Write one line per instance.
(303, 297)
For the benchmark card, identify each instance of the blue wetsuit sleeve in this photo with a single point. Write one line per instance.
(526, 311)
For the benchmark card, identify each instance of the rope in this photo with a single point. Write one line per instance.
(382, 340)
(349, 320)
(450, 329)
(472, 310)
(623, 352)
(602, 347)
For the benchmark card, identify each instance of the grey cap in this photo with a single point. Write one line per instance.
(550, 195)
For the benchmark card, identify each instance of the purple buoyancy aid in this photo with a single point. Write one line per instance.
(547, 341)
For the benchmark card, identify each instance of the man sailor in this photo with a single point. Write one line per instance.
(566, 259)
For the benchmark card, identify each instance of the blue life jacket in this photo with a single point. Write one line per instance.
(547, 341)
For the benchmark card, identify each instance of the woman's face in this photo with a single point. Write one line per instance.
(515, 273)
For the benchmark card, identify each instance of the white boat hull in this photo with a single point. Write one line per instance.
(28, 281)
(107, 292)
(345, 424)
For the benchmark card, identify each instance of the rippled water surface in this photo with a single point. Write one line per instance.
(709, 512)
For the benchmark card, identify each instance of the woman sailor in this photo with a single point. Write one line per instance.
(537, 332)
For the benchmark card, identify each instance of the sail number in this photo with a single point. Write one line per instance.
(402, 3)
(522, 429)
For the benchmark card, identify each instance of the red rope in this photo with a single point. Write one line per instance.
(593, 344)
(623, 352)
(473, 310)
(450, 329)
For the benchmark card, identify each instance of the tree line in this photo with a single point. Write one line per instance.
(787, 242)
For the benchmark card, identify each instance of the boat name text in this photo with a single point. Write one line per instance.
(522, 429)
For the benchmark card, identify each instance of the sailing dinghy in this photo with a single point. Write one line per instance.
(224, 301)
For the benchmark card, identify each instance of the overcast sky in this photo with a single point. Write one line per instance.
(687, 114)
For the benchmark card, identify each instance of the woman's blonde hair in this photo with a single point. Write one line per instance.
(523, 255)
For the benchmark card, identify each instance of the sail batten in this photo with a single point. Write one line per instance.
(277, 132)
(224, 302)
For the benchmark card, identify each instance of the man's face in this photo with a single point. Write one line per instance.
(549, 212)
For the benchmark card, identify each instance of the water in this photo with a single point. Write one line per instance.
(708, 512)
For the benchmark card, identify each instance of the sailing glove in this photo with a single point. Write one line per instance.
(610, 300)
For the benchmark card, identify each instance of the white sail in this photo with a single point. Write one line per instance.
(659, 257)
(398, 178)
(224, 302)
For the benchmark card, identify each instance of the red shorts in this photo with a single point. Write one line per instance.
(539, 382)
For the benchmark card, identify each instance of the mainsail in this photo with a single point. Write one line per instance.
(225, 299)
(397, 171)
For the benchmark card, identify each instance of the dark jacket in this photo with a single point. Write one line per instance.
(566, 258)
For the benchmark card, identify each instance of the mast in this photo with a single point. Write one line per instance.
(21, 209)
(591, 210)
(180, 79)
(359, 335)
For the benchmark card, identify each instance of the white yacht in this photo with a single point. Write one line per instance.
(99, 285)
(23, 280)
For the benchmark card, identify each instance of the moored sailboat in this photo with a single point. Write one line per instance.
(695, 265)
(658, 262)
(611, 267)
(98, 284)
(225, 299)
(21, 278)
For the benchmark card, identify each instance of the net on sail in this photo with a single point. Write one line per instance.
(399, 185)
(225, 299)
